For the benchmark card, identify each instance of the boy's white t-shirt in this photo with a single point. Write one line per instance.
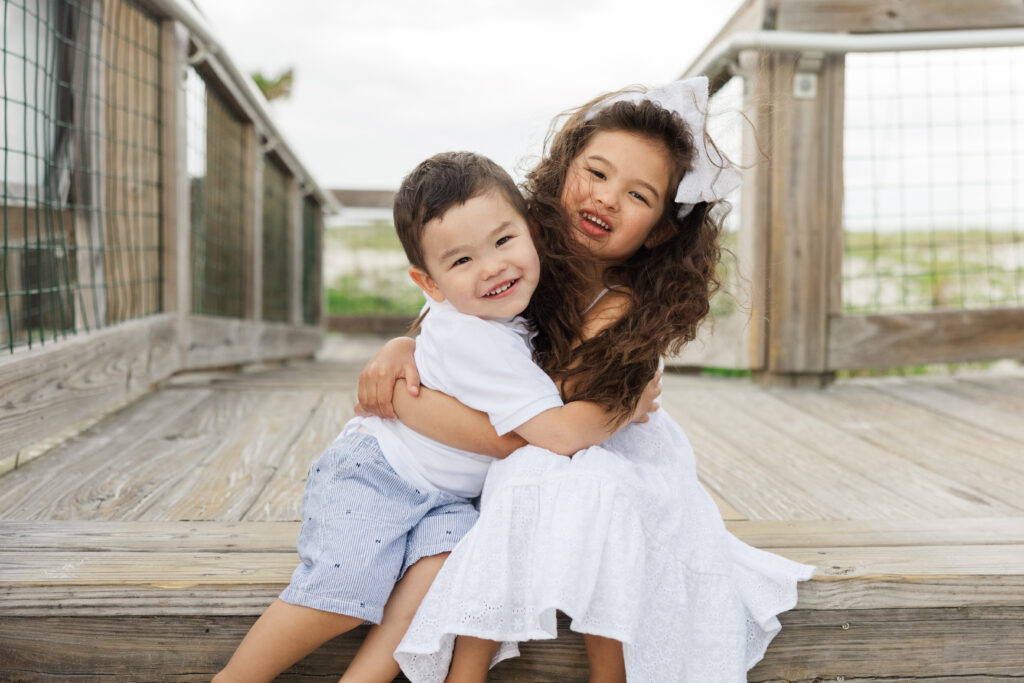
(486, 365)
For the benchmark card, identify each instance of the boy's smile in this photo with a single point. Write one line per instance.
(480, 257)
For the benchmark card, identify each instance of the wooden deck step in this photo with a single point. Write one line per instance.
(171, 600)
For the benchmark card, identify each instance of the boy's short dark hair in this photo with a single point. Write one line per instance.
(440, 183)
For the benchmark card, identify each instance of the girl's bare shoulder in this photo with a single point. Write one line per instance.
(607, 311)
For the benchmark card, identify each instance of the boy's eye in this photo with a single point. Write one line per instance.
(597, 174)
(502, 240)
(641, 198)
(459, 262)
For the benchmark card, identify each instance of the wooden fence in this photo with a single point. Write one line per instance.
(151, 257)
(791, 326)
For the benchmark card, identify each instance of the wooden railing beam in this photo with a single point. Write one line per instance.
(884, 16)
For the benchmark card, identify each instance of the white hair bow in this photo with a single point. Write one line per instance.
(712, 176)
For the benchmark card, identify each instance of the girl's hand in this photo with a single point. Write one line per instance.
(649, 399)
(377, 381)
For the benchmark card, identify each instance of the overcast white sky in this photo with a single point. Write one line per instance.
(381, 85)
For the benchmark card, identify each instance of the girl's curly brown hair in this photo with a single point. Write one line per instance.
(669, 285)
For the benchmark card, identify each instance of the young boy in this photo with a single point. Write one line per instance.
(384, 505)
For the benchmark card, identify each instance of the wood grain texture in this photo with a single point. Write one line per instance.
(216, 342)
(782, 475)
(74, 480)
(890, 340)
(906, 645)
(995, 408)
(865, 16)
(892, 644)
(281, 496)
(804, 195)
(49, 388)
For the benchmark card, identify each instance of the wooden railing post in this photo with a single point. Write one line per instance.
(806, 194)
(295, 200)
(176, 229)
(755, 207)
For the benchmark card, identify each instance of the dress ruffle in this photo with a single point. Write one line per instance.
(624, 540)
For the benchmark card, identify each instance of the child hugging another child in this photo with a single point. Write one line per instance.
(384, 505)
(622, 537)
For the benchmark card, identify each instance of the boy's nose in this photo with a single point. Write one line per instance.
(491, 268)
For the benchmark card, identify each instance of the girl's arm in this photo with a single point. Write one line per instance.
(378, 380)
(440, 417)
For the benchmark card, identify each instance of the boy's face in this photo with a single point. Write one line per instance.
(480, 257)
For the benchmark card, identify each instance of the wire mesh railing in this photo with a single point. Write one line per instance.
(81, 168)
(312, 249)
(276, 250)
(219, 191)
(934, 180)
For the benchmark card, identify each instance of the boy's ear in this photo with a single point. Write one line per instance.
(426, 283)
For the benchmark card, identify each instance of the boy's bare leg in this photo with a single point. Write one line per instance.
(283, 635)
(471, 660)
(375, 659)
(606, 661)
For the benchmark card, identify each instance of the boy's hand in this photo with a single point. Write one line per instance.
(649, 399)
(377, 381)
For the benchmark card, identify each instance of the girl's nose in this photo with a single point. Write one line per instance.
(605, 196)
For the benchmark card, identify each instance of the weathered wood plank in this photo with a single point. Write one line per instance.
(46, 389)
(867, 16)
(46, 487)
(994, 411)
(178, 649)
(977, 459)
(775, 473)
(890, 475)
(890, 340)
(215, 342)
(805, 212)
(225, 484)
(264, 536)
(156, 583)
(281, 496)
(192, 649)
(892, 644)
(768, 534)
(725, 508)
(73, 536)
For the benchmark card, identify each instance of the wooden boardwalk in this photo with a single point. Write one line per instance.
(144, 547)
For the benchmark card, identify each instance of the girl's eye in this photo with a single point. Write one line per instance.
(459, 262)
(502, 240)
(597, 174)
(641, 198)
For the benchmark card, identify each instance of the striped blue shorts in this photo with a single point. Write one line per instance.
(363, 526)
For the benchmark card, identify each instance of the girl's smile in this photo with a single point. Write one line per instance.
(616, 187)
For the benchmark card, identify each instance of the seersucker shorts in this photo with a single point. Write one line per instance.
(363, 526)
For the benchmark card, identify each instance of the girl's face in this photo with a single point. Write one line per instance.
(615, 192)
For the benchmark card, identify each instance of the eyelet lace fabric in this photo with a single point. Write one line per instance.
(625, 541)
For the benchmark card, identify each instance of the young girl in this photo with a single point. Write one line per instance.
(622, 538)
